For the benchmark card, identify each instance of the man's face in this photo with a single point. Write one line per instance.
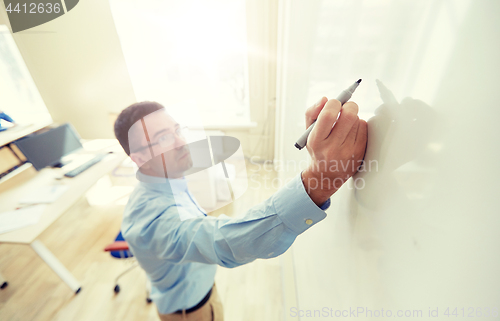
(170, 151)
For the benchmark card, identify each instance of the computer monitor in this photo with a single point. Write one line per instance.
(48, 148)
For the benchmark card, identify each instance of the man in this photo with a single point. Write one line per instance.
(180, 247)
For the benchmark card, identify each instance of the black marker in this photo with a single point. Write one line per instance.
(343, 98)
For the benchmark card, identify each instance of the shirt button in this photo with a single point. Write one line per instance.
(309, 221)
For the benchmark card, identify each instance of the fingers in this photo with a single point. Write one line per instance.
(313, 111)
(351, 136)
(327, 117)
(361, 137)
(348, 116)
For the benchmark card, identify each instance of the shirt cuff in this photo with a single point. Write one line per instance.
(295, 208)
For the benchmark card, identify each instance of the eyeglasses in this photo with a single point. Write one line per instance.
(167, 140)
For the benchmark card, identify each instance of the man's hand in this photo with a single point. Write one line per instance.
(336, 153)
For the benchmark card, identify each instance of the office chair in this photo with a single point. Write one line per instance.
(119, 249)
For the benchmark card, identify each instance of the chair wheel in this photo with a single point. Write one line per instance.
(117, 288)
(4, 285)
(148, 300)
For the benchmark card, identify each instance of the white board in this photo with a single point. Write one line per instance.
(423, 232)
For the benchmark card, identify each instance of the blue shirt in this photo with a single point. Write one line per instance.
(180, 247)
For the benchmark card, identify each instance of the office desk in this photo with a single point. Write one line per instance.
(13, 189)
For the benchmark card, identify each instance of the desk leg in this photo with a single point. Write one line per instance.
(3, 283)
(56, 266)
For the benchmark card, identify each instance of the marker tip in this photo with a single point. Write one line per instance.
(358, 81)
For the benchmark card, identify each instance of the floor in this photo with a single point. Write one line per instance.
(250, 292)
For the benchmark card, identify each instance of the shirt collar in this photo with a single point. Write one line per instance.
(175, 185)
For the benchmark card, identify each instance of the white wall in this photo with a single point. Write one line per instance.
(78, 66)
(423, 232)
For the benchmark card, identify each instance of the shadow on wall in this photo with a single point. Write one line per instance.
(398, 163)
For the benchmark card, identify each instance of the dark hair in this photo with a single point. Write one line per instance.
(129, 116)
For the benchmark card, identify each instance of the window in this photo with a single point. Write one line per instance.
(187, 55)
